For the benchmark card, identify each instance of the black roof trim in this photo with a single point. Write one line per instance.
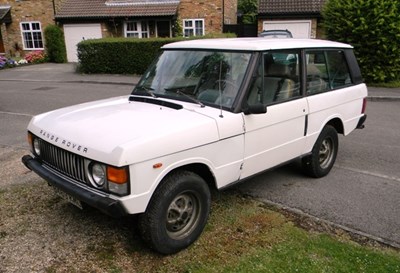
(5, 14)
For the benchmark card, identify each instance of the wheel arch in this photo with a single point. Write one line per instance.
(201, 170)
(337, 124)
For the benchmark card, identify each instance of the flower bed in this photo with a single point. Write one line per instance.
(32, 57)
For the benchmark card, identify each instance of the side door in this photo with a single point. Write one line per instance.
(278, 135)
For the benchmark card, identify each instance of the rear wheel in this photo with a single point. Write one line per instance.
(323, 154)
(177, 212)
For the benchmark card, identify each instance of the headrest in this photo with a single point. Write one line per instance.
(313, 70)
(278, 69)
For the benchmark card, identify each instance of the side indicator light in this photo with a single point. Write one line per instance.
(157, 165)
(30, 139)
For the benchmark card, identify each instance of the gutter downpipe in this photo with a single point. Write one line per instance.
(223, 15)
(54, 10)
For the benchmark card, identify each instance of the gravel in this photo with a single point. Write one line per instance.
(40, 232)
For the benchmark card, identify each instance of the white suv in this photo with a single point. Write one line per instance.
(207, 113)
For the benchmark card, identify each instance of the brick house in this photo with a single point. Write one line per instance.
(84, 19)
(22, 21)
(22, 24)
(301, 17)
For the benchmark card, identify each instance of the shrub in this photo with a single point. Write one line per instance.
(121, 55)
(249, 11)
(372, 27)
(117, 55)
(55, 44)
(36, 57)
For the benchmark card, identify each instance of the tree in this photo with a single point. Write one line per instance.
(373, 28)
(248, 9)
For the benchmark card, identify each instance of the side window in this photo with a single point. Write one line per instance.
(326, 70)
(339, 74)
(317, 72)
(277, 79)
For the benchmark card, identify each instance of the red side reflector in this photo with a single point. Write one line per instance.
(364, 106)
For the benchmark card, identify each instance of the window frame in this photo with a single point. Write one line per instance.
(325, 53)
(193, 28)
(330, 71)
(257, 70)
(142, 29)
(33, 35)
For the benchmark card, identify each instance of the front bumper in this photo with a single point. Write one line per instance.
(105, 204)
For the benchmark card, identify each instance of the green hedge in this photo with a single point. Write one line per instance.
(121, 55)
(373, 28)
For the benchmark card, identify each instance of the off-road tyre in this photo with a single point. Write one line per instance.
(177, 212)
(323, 155)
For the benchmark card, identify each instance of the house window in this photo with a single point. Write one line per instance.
(193, 27)
(32, 35)
(137, 29)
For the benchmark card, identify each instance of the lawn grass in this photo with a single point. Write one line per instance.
(242, 235)
(303, 252)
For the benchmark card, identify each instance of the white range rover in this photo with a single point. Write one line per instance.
(206, 114)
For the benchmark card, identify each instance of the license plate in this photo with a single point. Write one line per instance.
(68, 198)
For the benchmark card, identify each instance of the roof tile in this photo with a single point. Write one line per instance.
(290, 7)
(86, 9)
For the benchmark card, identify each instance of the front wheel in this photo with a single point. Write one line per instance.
(323, 154)
(177, 212)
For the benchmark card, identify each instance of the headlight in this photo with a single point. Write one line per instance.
(108, 178)
(36, 146)
(98, 174)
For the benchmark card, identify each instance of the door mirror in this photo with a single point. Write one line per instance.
(255, 109)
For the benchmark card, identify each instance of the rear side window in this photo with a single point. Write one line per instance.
(326, 70)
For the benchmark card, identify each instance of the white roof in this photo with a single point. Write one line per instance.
(254, 44)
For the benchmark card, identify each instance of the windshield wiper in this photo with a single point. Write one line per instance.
(193, 99)
(148, 90)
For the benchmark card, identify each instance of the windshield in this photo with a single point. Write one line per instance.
(276, 34)
(203, 77)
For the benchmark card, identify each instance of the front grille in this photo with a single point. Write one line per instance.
(65, 162)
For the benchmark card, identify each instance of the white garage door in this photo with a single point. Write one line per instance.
(74, 33)
(299, 29)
